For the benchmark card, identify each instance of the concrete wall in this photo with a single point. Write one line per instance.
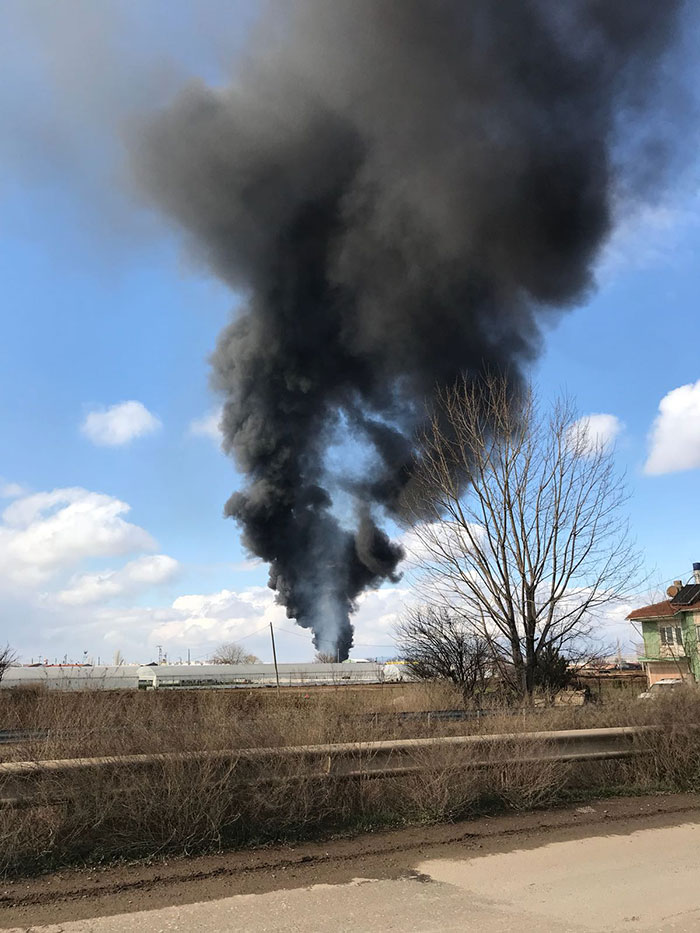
(661, 670)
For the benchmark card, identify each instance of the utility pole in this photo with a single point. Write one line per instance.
(160, 653)
(188, 655)
(274, 658)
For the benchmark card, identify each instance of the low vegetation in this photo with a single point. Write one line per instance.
(185, 805)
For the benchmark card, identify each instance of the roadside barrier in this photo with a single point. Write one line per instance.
(26, 783)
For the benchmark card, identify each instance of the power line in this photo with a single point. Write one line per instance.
(250, 635)
(237, 638)
(360, 644)
(289, 632)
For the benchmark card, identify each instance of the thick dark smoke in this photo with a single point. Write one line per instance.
(401, 189)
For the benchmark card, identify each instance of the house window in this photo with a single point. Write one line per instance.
(671, 634)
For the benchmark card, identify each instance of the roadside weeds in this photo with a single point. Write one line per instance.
(191, 806)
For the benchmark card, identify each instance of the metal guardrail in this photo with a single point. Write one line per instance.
(464, 715)
(25, 736)
(14, 736)
(26, 783)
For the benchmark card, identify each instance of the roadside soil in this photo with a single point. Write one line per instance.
(81, 893)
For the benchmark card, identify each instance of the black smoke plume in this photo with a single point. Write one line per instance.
(401, 190)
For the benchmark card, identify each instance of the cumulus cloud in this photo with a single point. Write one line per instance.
(674, 443)
(45, 540)
(424, 543)
(202, 621)
(142, 573)
(214, 618)
(595, 432)
(119, 424)
(378, 612)
(218, 617)
(648, 235)
(10, 490)
(49, 531)
(208, 426)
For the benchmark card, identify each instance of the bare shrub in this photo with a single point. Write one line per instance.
(527, 778)
(174, 805)
(442, 786)
(440, 644)
(7, 658)
(233, 799)
(670, 756)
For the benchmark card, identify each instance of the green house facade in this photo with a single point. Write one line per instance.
(671, 633)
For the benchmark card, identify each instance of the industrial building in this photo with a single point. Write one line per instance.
(201, 676)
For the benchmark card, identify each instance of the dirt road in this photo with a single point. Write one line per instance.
(615, 864)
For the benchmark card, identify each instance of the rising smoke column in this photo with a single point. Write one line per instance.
(401, 190)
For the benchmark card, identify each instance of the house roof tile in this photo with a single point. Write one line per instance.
(664, 610)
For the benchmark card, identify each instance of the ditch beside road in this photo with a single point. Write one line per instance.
(625, 863)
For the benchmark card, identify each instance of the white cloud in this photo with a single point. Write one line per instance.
(204, 620)
(11, 490)
(647, 235)
(675, 435)
(208, 426)
(139, 574)
(60, 605)
(378, 611)
(119, 424)
(424, 543)
(595, 432)
(214, 618)
(218, 617)
(49, 531)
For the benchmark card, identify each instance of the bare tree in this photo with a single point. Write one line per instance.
(442, 645)
(325, 657)
(232, 653)
(7, 659)
(521, 526)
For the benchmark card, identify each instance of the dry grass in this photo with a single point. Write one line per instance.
(96, 723)
(191, 805)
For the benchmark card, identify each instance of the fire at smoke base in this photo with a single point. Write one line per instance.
(402, 191)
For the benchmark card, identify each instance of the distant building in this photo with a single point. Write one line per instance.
(671, 632)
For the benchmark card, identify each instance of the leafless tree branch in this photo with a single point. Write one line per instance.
(521, 525)
(442, 645)
(232, 653)
(7, 659)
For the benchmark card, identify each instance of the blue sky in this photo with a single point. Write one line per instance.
(107, 545)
